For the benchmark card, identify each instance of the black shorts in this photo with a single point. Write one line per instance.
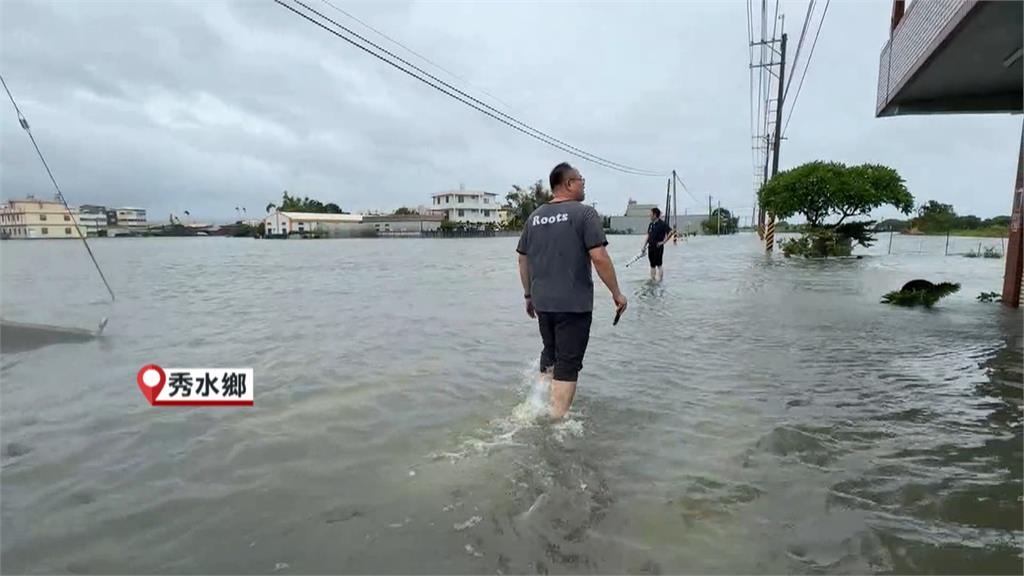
(655, 254)
(565, 336)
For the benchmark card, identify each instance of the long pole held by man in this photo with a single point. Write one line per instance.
(559, 243)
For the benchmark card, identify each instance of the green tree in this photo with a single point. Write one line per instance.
(935, 217)
(893, 224)
(729, 224)
(521, 202)
(291, 203)
(403, 211)
(826, 194)
(998, 221)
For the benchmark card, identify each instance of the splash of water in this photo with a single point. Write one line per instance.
(531, 411)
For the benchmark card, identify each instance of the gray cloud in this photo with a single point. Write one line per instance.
(207, 106)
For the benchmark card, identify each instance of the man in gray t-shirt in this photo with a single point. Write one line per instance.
(560, 241)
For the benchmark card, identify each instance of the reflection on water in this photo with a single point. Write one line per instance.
(747, 415)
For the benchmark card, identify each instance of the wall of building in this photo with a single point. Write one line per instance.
(403, 226)
(687, 224)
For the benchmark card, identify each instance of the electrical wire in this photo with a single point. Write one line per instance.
(455, 93)
(799, 45)
(808, 65)
(24, 124)
(413, 52)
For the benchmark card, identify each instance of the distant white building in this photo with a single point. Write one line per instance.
(283, 224)
(93, 219)
(93, 224)
(470, 206)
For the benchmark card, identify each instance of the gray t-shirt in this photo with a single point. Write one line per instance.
(556, 240)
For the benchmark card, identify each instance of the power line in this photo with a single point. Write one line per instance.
(775, 25)
(24, 124)
(685, 189)
(808, 65)
(464, 98)
(799, 45)
(413, 52)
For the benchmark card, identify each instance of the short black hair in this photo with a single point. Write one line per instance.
(559, 175)
(657, 211)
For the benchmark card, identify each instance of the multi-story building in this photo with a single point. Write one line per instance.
(93, 220)
(32, 218)
(132, 219)
(468, 206)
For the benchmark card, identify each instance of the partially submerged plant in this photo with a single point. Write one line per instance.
(920, 293)
(989, 252)
(989, 297)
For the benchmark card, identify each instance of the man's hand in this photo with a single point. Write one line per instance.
(529, 308)
(620, 302)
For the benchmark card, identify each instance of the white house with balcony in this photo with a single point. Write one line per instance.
(471, 206)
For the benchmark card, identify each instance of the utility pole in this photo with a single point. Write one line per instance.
(719, 217)
(769, 237)
(668, 198)
(675, 202)
(772, 140)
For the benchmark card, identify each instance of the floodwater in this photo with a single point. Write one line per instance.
(750, 414)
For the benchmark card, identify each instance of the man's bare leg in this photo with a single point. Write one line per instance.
(654, 274)
(562, 393)
(661, 273)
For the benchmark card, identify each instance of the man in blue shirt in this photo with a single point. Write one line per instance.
(658, 233)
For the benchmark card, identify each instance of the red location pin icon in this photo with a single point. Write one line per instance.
(151, 380)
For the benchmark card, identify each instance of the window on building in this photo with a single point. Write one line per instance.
(462, 213)
(487, 200)
(462, 199)
(46, 231)
(487, 213)
(447, 199)
(42, 217)
(67, 231)
(67, 218)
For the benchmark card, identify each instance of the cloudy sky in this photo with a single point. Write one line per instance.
(204, 106)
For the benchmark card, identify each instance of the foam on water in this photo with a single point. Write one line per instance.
(531, 411)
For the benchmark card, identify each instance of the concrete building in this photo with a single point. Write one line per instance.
(960, 57)
(638, 217)
(132, 219)
(468, 206)
(404, 224)
(283, 224)
(93, 220)
(32, 218)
